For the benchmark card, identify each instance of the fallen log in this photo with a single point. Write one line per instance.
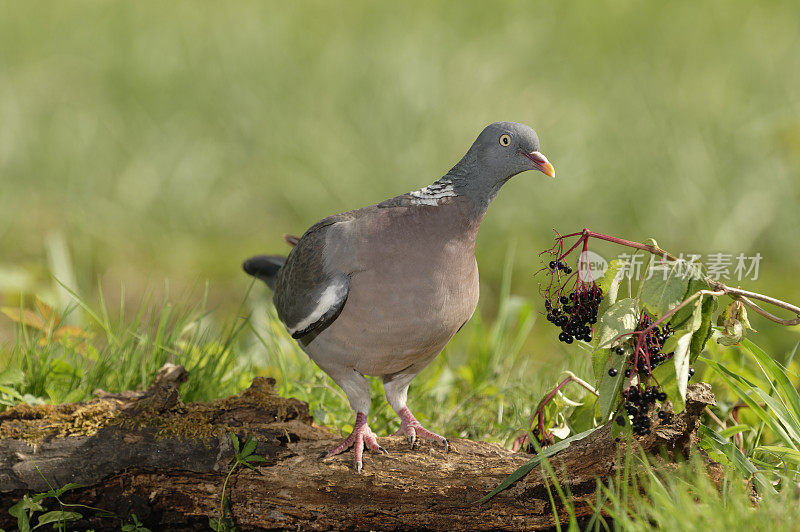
(150, 454)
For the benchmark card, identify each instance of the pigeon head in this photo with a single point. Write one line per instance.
(501, 151)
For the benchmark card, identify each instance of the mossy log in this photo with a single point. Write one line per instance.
(148, 453)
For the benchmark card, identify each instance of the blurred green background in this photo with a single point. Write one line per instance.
(150, 141)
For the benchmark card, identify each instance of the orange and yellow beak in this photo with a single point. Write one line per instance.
(541, 163)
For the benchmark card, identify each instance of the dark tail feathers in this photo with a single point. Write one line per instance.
(264, 267)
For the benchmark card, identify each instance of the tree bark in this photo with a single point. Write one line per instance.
(148, 453)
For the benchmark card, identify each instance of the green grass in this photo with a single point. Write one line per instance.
(685, 499)
(482, 387)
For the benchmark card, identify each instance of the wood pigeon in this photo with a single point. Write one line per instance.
(381, 290)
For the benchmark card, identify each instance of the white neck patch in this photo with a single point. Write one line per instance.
(433, 193)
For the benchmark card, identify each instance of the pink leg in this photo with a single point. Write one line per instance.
(362, 435)
(412, 428)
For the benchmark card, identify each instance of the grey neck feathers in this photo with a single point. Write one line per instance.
(470, 179)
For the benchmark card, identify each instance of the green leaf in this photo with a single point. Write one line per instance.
(581, 418)
(255, 458)
(57, 516)
(599, 361)
(23, 510)
(235, 441)
(782, 453)
(610, 277)
(620, 318)
(711, 440)
(679, 319)
(609, 283)
(777, 375)
(11, 392)
(11, 376)
(732, 334)
(57, 492)
(534, 462)
(666, 377)
(779, 417)
(609, 388)
(703, 332)
(682, 357)
(665, 289)
(736, 429)
(249, 447)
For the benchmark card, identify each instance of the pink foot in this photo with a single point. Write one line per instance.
(362, 435)
(412, 428)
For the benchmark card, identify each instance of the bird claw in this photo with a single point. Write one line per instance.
(412, 428)
(362, 436)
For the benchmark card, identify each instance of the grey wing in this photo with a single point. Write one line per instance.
(310, 292)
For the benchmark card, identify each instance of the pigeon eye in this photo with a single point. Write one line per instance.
(505, 140)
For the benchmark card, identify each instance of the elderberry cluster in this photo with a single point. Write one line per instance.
(638, 404)
(576, 313)
(644, 352)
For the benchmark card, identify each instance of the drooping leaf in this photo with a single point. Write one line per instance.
(534, 462)
(665, 288)
(681, 359)
(704, 330)
(731, 335)
(733, 320)
(682, 356)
